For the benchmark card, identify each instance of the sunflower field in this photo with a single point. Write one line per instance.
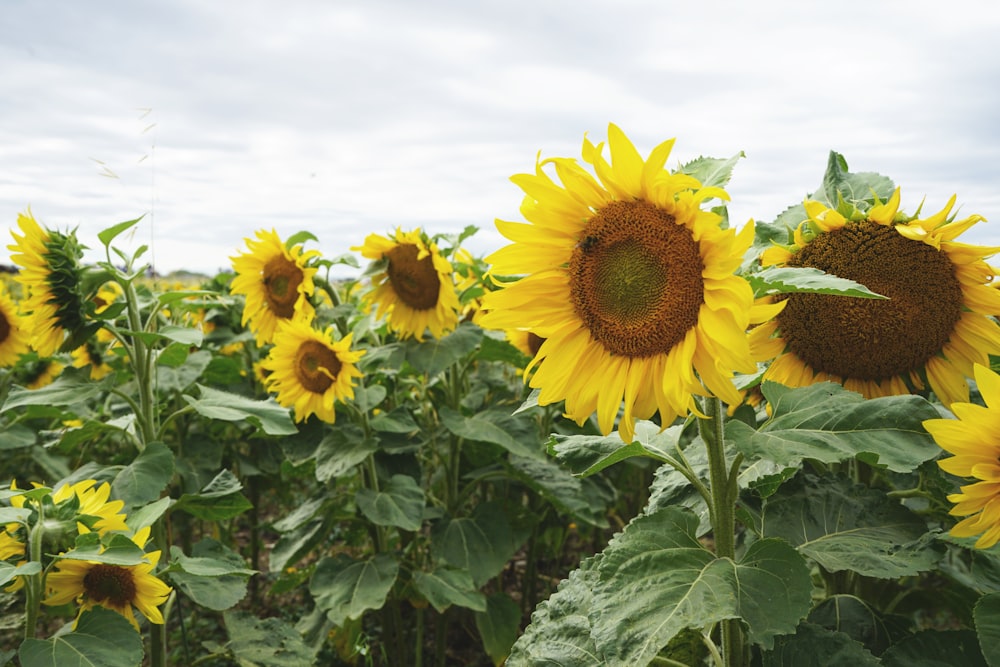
(638, 434)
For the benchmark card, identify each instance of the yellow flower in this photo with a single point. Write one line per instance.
(974, 439)
(416, 290)
(309, 371)
(276, 281)
(50, 274)
(43, 373)
(89, 354)
(94, 503)
(629, 282)
(117, 587)
(934, 327)
(13, 336)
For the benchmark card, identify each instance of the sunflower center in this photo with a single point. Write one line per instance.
(316, 366)
(873, 339)
(110, 583)
(415, 281)
(4, 328)
(282, 278)
(636, 279)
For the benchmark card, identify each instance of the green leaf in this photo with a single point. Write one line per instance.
(400, 503)
(340, 450)
(444, 587)
(207, 566)
(172, 332)
(854, 188)
(656, 579)
(987, 616)
(480, 429)
(559, 487)
(118, 550)
(855, 618)
(71, 387)
(102, 638)
(142, 480)
(935, 648)
(8, 571)
(481, 544)
(220, 499)
(174, 380)
(814, 646)
(346, 588)
(559, 633)
(148, 514)
(789, 279)
(265, 642)
(173, 356)
(299, 238)
(369, 398)
(266, 415)
(830, 424)
(493, 348)
(498, 626)
(847, 526)
(397, 421)
(433, 356)
(711, 171)
(295, 544)
(216, 590)
(106, 236)
(586, 455)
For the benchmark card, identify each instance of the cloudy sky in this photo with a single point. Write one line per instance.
(346, 117)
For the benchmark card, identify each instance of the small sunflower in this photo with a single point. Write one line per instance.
(974, 440)
(309, 371)
(104, 515)
(13, 336)
(89, 354)
(43, 372)
(934, 327)
(630, 284)
(116, 587)
(277, 282)
(50, 274)
(416, 290)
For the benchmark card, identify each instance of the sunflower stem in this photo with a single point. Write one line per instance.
(33, 582)
(723, 513)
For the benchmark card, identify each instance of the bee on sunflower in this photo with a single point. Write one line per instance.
(932, 329)
(277, 282)
(413, 284)
(629, 282)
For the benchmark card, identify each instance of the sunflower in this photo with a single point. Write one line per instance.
(414, 287)
(50, 273)
(104, 515)
(277, 282)
(309, 371)
(13, 336)
(974, 439)
(89, 354)
(934, 327)
(629, 282)
(116, 587)
(42, 373)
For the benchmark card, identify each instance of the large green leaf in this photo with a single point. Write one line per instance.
(346, 588)
(569, 494)
(102, 638)
(847, 526)
(712, 171)
(72, 386)
(266, 415)
(8, 571)
(142, 480)
(399, 502)
(586, 455)
(117, 549)
(857, 619)
(789, 279)
(340, 450)
(480, 429)
(265, 642)
(446, 586)
(217, 578)
(656, 579)
(176, 379)
(936, 648)
(830, 424)
(987, 616)
(815, 646)
(559, 633)
(481, 544)
(498, 626)
(433, 356)
(220, 499)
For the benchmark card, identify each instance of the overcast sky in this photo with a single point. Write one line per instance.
(347, 117)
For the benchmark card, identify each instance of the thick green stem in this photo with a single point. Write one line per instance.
(33, 583)
(723, 510)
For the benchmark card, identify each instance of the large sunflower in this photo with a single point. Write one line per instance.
(932, 329)
(117, 587)
(308, 370)
(416, 290)
(13, 336)
(276, 281)
(974, 439)
(50, 274)
(630, 284)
